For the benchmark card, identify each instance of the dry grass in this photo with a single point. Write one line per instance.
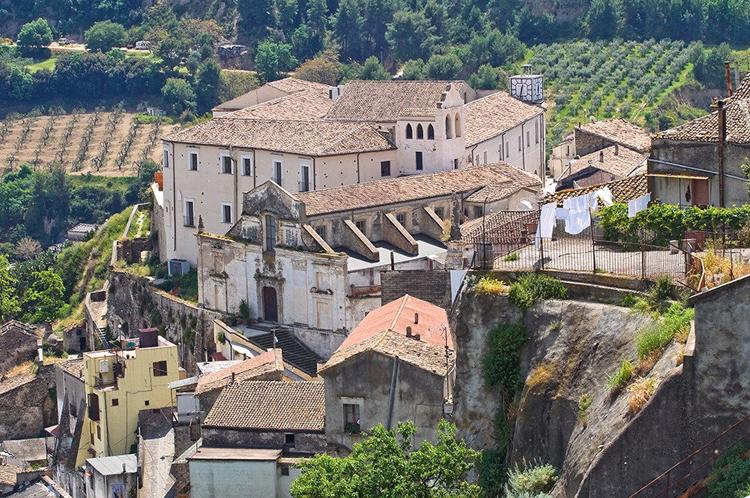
(646, 364)
(720, 269)
(24, 368)
(640, 392)
(679, 357)
(541, 377)
(489, 285)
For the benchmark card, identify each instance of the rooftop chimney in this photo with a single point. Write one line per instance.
(416, 318)
(601, 156)
(617, 149)
(728, 78)
(232, 377)
(408, 331)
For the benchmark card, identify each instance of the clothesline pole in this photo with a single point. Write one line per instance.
(593, 241)
(541, 252)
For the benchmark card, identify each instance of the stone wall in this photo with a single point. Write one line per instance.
(133, 303)
(227, 438)
(586, 142)
(433, 286)
(130, 250)
(29, 406)
(18, 345)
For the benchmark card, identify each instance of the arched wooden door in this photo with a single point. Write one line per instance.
(270, 305)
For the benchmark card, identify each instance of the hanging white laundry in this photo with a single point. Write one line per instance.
(547, 220)
(561, 213)
(579, 215)
(638, 204)
(605, 195)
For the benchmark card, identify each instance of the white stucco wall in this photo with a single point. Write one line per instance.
(233, 479)
(529, 156)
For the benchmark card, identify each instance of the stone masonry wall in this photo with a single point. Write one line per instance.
(433, 286)
(26, 410)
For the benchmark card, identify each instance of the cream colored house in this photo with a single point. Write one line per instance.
(305, 140)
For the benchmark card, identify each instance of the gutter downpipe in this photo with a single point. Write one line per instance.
(720, 149)
(392, 392)
(174, 202)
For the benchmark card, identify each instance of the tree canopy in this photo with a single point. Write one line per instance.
(35, 34)
(386, 464)
(104, 35)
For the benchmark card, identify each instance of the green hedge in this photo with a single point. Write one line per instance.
(665, 222)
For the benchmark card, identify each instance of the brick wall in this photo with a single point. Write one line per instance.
(433, 286)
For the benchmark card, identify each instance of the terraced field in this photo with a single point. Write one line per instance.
(110, 143)
(627, 79)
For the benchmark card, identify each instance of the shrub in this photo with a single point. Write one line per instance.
(621, 377)
(531, 288)
(511, 257)
(541, 377)
(501, 362)
(489, 285)
(640, 392)
(221, 337)
(657, 336)
(534, 481)
(244, 310)
(661, 292)
(731, 475)
(584, 402)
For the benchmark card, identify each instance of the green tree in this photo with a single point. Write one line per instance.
(413, 70)
(8, 299)
(207, 85)
(256, 17)
(35, 34)
(372, 69)
(43, 301)
(377, 14)
(386, 464)
(410, 36)
(104, 35)
(602, 19)
(443, 67)
(486, 78)
(272, 58)
(179, 96)
(348, 26)
(324, 69)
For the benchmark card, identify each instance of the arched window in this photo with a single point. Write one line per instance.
(458, 126)
(420, 132)
(409, 133)
(430, 133)
(448, 132)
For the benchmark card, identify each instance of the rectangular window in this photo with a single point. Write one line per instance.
(322, 231)
(351, 418)
(501, 152)
(520, 139)
(485, 158)
(284, 469)
(401, 218)
(439, 212)
(165, 159)
(226, 165)
(420, 165)
(536, 131)
(247, 166)
(385, 168)
(160, 368)
(455, 163)
(528, 139)
(189, 214)
(289, 440)
(226, 213)
(270, 232)
(193, 161)
(304, 178)
(277, 172)
(507, 148)
(477, 211)
(476, 161)
(93, 406)
(147, 402)
(115, 402)
(362, 226)
(99, 432)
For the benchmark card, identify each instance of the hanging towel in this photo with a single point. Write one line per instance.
(638, 204)
(547, 220)
(561, 213)
(579, 216)
(605, 195)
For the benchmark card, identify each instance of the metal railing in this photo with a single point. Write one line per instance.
(691, 472)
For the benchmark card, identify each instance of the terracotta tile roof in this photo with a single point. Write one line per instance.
(385, 330)
(8, 474)
(412, 188)
(290, 85)
(29, 450)
(18, 326)
(706, 128)
(304, 105)
(318, 138)
(623, 190)
(494, 114)
(743, 90)
(619, 161)
(73, 367)
(515, 180)
(386, 101)
(423, 355)
(250, 369)
(16, 381)
(620, 131)
(270, 406)
(503, 227)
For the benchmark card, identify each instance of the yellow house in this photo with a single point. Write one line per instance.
(118, 384)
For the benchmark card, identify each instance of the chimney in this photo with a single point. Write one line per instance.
(408, 331)
(601, 156)
(722, 114)
(728, 78)
(416, 318)
(416, 337)
(40, 352)
(232, 377)
(617, 149)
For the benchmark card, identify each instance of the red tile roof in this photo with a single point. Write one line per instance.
(494, 114)
(250, 369)
(620, 131)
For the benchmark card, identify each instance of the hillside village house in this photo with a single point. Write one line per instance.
(398, 364)
(302, 259)
(307, 140)
(700, 162)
